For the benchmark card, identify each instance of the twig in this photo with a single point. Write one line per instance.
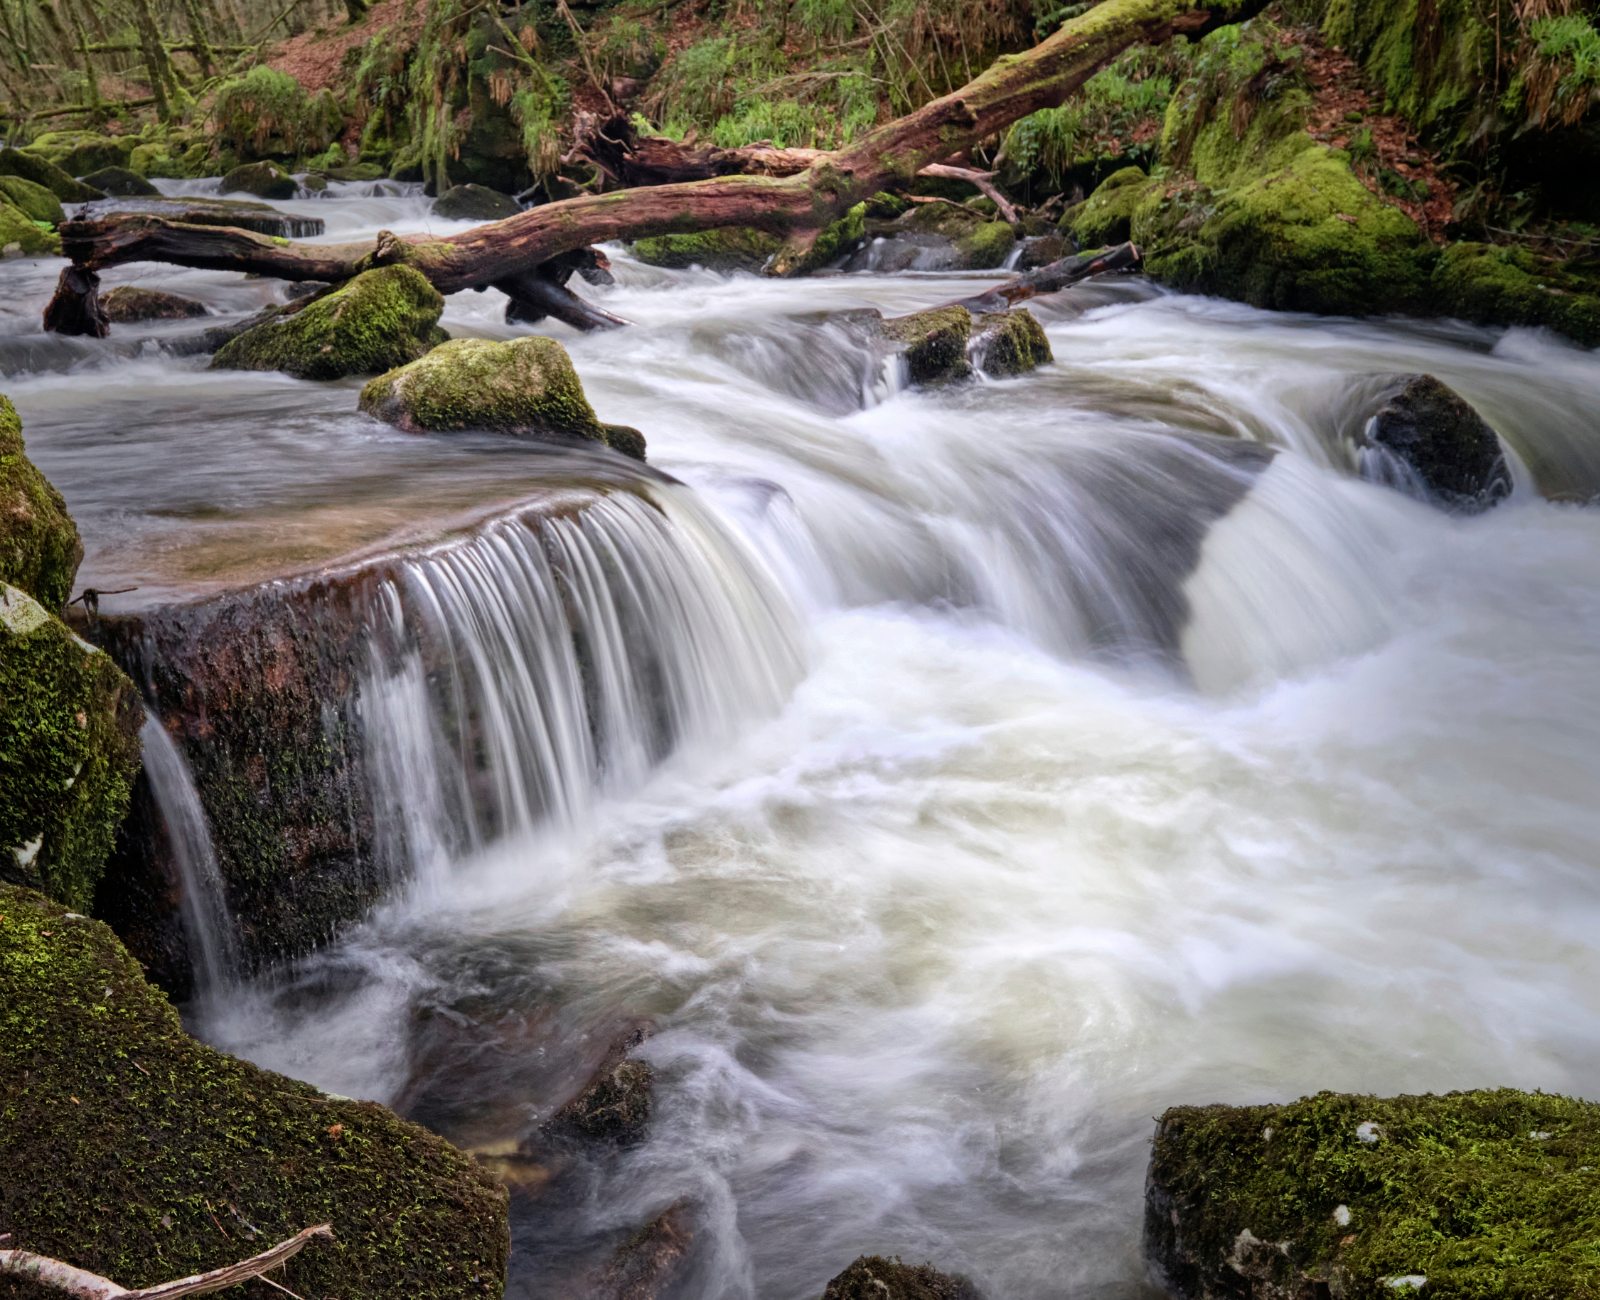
(984, 181)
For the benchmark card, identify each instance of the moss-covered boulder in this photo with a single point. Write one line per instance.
(79, 152)
(736, 248)
(41, 171)
(69, 750)
(933, 344)
(474, 203)
(381, 319)
(129, 303)
(123, 182)
(1106, 216)
(525, 387)
(1006, 343)
(33, 200)
(872, 1277)
(265, 180)
(22, 236)
(1512, 286)
(1445, 448)
(39, 546)
(1471, 1196)
(132, 1150)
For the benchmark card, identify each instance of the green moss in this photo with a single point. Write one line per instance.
(77, 152)
(1510, 286)
(381, 319)
(135, 1151)
(20, 235)
(39, 546)
(13, 162)
(525, 386)
(934, 343)
(987, 246)
(267, 114)
(69, 750)
(1106, 217)
(735, 248)
(1488, 1195)
(34, 201)
(1009, 343)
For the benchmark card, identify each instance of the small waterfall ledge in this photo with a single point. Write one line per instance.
(326, 740)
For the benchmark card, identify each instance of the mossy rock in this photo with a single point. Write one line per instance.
(21, 236)
(987, 247)
(1510, 286)
(474, 203)
(69, 750)
(39, 546)
(933, 343)
(131, 303)
(356, 171)
(872, 1277)
(737, 248)
(41, 171)
(525, 387)
(136, 1152)
(1007, 343)
(1472, 1196)
(33, 200)
(265, 180)
(978, 244)
(383, 318)
(79, 152)
(1106, 216)
(124, 182)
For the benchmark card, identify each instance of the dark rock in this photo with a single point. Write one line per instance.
(121, 182)
(1042, 250)
(128, 303)
(41, 171)
(615, 1105)
(241, 213)
(651, 1264)
(266, 180)
(1446, 447)
(873, 1277)
(934, 343)
(474, 203)
(1006, 343)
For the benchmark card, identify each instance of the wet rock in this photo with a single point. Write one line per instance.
(1446, 447)
(21, 236)
(241, 213)
(69, 749)
(615, 1105)
(652, 1263)
(526, 387)
(1006, 343)
(933, 343)
(39, 546)
(128, 303)
(474, 203)
(382, 319)
(1042, 250)
(13, 162)
(34, 201)
(873, 1277)
(266, 180)
(121, 182)
(736, 248)
(1470, 1194)
(103, 1090)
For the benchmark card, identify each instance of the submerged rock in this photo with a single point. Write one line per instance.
(33, 200)
(1446, 447)
(650, 1264)
(474, 203)
(69, 750)
(121, 182)
(13, 162)
(615, 1105)
(39, 546)
(244, 214)
(381, 319)
(107, 1098)
(1470, 1194)
(128, 303)
(526, 387)
(266, 180)
(873, 1277)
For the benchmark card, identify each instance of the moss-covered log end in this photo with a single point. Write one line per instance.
(1472, 1196)
(132, 1150)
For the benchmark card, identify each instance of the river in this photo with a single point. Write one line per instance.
(1042, 754)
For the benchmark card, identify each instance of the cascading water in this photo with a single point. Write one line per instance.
(955, 779)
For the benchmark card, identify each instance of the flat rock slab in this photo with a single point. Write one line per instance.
(243, 214)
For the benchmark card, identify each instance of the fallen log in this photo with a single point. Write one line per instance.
(799, 206)
(81, 1284)
(1053, 278)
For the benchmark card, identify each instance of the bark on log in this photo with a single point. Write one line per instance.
(1053, 278)
(80, 1284)
(885, 158)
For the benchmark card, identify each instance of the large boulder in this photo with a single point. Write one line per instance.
(129, 303)
(474, 203)
(526, 387)
(69, 750)
(41, 171)
(136, 1152)
(33, 200)
(383, 318)
(121, 181)
(265, 180)
(1475, 1194)
(39, 546)
(872, 1277)
(1443, 446)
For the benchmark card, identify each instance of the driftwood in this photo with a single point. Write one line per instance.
(83, 1285)
(1053, 278)
(798, 206)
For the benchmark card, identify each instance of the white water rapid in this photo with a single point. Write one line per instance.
(975, 773)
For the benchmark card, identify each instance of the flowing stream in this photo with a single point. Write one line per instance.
(974, 773)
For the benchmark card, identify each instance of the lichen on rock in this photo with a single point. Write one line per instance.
(190, 1159)
(934, 343)
(1478, 1195)
(383, 318)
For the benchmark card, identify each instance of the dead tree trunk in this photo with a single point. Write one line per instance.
(1053, 278)
(798, 206)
